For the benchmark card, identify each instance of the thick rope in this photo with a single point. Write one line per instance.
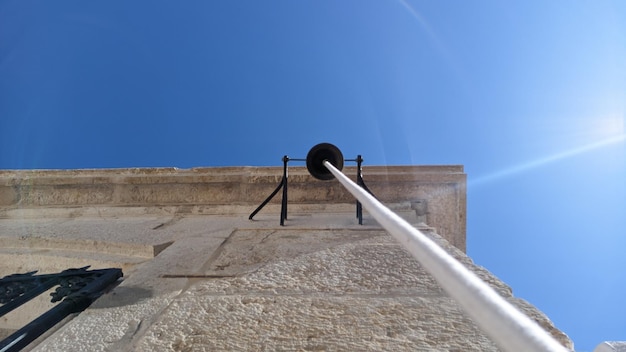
(509, 328)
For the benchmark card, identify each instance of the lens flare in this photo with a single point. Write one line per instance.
(607, 132)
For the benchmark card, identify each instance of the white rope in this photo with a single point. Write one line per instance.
(508, 327)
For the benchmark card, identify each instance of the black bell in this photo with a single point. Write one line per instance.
(317, 155)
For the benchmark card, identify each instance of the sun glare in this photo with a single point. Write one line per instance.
(608, 127)
(602, 132)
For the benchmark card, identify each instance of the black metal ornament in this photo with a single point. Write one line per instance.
(316, 157)
(315, 165)
(77, 289)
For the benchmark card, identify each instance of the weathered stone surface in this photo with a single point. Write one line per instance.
(442, 188)
(199, 276)
(313, 323)
(282, 289)
(8, 195)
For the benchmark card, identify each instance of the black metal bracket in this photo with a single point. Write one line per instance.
(283, 185)
(77, 289)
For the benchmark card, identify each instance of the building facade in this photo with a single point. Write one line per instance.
(200, 276)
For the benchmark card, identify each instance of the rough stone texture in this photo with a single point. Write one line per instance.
(201, 277)
(226, 285)
(611, 346)
(440, 189)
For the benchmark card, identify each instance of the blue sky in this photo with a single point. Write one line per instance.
(529, 96)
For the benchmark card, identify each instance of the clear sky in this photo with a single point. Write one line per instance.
(530, 96)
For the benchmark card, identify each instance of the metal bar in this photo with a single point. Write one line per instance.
(22, 278)
(283, 206)
(283, 182)
(506, 325)
(267, 200)
(359, 181)
(74, 303)
(28, 295)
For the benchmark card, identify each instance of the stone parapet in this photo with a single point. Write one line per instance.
(436, 194)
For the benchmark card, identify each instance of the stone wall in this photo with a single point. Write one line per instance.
(435, 193)
(200, 276)
(229, 284)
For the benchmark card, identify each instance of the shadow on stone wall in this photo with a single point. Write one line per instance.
(122, 296)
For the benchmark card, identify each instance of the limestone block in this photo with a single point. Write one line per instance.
(365, 294)
(8, 196)
(442, 187)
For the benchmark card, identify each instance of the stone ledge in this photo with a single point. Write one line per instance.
(440, 190)
(83, 245)
(243, 185)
